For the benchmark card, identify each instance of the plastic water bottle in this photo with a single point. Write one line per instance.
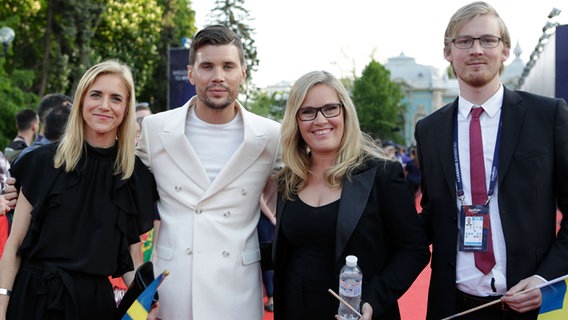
(350, 288)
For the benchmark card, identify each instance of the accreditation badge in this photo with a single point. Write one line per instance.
(474, 228)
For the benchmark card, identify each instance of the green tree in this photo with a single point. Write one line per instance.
(57, 40)
(177, 21)
(130, 31)
(268, 105)
(378, 102)
(14, 96)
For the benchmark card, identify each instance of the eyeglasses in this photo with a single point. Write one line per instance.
(486, 41)
(329, 110)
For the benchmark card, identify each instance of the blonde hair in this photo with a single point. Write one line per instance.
(466, 14)
(71, 147)
(355, 146)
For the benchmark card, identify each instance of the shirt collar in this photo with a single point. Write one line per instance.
(491, 106)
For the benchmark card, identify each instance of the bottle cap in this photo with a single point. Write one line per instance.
(351, 261)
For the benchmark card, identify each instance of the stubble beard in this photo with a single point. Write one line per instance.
(478, 80)
(214, 105)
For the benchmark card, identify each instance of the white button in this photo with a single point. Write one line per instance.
(225, 253)
(227, 214)
(198, 211)
(244, 192)
(188, 251)
(177, 188)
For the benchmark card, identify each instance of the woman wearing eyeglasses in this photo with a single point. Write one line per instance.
(339, 195)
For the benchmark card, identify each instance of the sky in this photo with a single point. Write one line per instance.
(294, 37)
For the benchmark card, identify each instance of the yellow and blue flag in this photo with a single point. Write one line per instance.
(141, 306)
(554, 301)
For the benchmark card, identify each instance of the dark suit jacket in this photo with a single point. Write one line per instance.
(377, 222)
(532, 177)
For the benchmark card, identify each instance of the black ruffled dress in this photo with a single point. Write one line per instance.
(82, 225)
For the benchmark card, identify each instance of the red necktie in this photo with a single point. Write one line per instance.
(484, 261)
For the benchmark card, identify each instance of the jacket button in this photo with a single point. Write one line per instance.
(227, 214)
(198, 211)
(225, 253)
(244, 192)
(177, 188)
(188, 251)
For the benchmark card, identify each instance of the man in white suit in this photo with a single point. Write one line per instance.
(212, 160)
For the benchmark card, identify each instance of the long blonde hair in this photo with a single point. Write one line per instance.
(71, 147)
(355, 146)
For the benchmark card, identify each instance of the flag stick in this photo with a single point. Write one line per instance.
(544, 284)
(344, 302)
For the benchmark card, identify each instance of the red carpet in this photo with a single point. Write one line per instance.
(267, 315)
(412, 304)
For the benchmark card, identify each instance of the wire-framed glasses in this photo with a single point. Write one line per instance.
(486, 41)
(329, 110)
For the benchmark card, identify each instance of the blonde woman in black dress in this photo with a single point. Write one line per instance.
(339, 196)
(82, 205)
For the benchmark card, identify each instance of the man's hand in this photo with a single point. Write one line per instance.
(11, 193)
(523, 302)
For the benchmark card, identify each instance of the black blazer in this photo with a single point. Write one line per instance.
(377, 222)
(532, 177)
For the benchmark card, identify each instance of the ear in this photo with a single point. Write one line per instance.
(190, 74)
(448, 54)
(505, 54)
(244, 74)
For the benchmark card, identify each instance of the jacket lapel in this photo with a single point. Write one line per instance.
(512, 114)
(177, 146)
(254, 143)
(444, 144)
(353, 201)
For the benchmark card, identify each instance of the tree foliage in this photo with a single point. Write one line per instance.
(57, 40)
(14, 96)
(378, 102)
(268, 105)
(177, 21)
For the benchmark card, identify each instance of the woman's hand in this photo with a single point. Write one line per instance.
(153, 314)
(366, 312)
(11, 193)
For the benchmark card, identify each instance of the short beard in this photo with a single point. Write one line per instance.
(476, 81)
(217, 106)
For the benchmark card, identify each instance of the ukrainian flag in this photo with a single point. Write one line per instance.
(554, 301)
(141, 306)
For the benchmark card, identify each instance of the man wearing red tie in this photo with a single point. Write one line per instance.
(494, 168)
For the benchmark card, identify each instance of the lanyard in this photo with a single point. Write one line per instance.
(492, 177)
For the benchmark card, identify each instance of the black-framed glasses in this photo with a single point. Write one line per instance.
(329, 110)
(486, 41)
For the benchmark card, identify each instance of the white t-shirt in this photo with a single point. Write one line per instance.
(214, 144)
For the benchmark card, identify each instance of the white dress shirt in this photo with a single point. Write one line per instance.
(469, 279)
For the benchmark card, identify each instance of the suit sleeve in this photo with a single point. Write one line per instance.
(554, 265)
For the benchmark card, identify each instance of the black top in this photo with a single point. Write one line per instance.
(310, 270)
(84, 220)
